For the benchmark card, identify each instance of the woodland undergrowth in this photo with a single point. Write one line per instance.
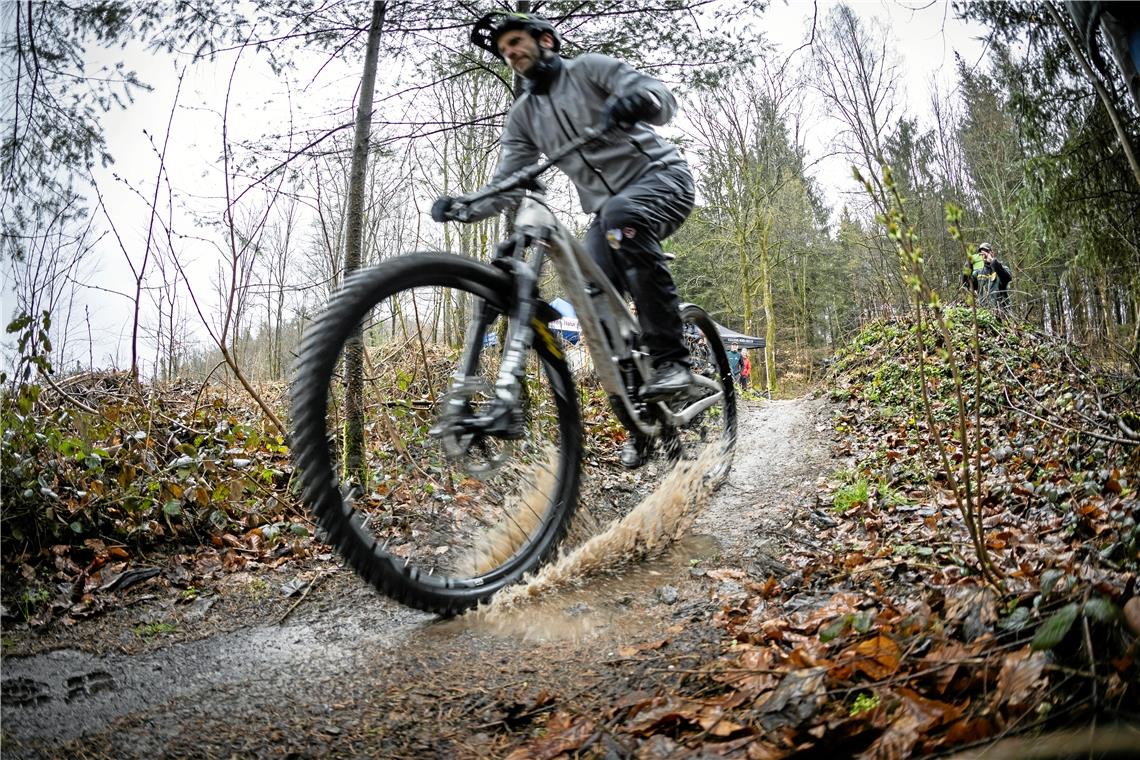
(884, 639)
(101, 474)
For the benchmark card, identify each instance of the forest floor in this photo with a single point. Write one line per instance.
(832, 598)
(239, 669)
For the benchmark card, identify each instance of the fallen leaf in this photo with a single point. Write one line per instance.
(657, 747)
(1132, 614)
(795, 700)
(753, 673)
(914, 717)
(1054, 630)
(877, 657)
(727, 574)
(969, 730)
(758, 750)
(839, 604)
(1020, 672)
(974, 608)
(711, 719)
(564, 734)
(631, 649)
(664, 712)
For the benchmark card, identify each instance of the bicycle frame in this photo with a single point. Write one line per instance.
(597, 302)
(595, 299)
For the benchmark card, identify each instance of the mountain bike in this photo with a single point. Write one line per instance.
(473, 433)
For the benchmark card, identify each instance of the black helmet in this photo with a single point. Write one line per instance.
(495, 24)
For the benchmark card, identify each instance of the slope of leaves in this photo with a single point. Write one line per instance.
(923, 653)
(878, 637)
(87, 493)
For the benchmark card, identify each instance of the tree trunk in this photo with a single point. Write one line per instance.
(746, 281)
(353, 254)
(1102, 94)
(769, 327)
(765, 261)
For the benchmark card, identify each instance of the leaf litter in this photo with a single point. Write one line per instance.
(882, 639)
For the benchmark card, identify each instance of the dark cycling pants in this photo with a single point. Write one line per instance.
(625, 241)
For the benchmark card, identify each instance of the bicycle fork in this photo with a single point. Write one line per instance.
(458, 424)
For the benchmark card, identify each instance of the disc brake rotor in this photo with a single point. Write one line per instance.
(481, 455)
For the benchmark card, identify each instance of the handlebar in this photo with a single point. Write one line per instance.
(527, 178)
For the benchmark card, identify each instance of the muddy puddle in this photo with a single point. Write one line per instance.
(599, 606)
(64, 694)
(592, 591)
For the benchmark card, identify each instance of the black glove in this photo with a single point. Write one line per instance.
(448, 209)
(440, 208)
(638, 105)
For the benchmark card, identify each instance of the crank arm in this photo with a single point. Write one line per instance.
(689, 412)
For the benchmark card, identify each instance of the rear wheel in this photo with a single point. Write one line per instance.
(716, 424)
(446, 508)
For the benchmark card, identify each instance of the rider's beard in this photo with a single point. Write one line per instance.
(543, 71)
(523, 64)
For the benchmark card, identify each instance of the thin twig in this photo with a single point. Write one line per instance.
(305, 593)
(65, 394)
(1066, 428)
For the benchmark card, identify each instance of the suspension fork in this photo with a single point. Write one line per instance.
(504, 417)
(520, 330)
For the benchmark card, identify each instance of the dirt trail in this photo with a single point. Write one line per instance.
(350, 673)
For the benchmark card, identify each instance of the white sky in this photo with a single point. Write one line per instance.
(924, 34)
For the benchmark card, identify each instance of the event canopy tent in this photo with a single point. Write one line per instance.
(569, 330)
(566, 328)
(732, 337)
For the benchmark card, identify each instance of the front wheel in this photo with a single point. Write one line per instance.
(441, 509)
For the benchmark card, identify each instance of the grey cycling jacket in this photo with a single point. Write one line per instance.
(542, 123)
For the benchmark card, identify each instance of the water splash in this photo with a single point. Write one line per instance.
(520, 518)
(652, 526)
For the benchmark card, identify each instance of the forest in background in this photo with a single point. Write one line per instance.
(1033, 152)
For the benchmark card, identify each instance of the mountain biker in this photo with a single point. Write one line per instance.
(637, 185)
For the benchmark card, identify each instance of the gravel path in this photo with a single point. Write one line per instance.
(351, 674)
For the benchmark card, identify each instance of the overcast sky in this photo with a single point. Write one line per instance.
(924, 34)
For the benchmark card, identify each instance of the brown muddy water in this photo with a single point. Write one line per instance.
(595, 606)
